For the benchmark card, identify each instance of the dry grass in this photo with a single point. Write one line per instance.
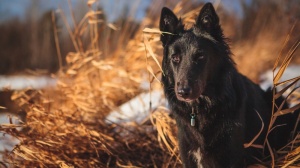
(66, 126)
(290, 154)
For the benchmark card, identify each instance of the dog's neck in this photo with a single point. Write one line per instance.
(214, 102)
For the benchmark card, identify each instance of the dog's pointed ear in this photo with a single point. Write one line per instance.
(208, 20)
(169, 25)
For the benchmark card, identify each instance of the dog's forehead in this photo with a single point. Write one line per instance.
(195, 32)
(185, 45)
(192, 38)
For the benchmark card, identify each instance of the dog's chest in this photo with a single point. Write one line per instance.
(197, 157)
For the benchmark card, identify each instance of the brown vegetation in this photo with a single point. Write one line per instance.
(66, 126)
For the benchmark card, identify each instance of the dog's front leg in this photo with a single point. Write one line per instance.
(188, 154)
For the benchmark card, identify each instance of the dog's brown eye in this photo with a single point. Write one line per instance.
(175, 58)
(200, 57)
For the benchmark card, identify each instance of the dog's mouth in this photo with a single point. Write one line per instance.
(188, 95)
(188, 91)
(187, 99)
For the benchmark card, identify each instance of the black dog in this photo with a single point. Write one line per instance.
(217, 110)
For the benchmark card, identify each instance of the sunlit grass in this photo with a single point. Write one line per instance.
(67, 127)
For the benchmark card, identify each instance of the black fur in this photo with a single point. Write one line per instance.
(200, 76)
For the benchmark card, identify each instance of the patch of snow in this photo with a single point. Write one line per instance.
(19, 82)
(7, 142)
(291, 71)
(138, 108)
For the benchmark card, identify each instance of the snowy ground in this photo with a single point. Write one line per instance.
(291, 72)
(138, 108)
(18, 82)
(7, 142)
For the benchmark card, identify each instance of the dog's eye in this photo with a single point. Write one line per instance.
(199, 56)
(175, 58)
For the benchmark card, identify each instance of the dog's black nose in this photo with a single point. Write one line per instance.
(184, 92)
(183, 89)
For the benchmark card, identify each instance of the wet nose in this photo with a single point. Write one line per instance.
(183, 90)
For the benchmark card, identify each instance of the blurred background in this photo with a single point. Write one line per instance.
(27, 39)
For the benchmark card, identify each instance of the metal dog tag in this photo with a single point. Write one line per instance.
(193, 122)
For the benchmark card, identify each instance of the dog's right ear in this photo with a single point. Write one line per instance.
(169, 25)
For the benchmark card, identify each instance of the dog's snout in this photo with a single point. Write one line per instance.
(183, 89)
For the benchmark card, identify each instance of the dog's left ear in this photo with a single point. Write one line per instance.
(208, 21)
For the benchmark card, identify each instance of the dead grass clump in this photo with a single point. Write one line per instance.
(289, 155)
(67, 127)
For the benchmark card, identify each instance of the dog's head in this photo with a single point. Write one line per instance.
(192, 57)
